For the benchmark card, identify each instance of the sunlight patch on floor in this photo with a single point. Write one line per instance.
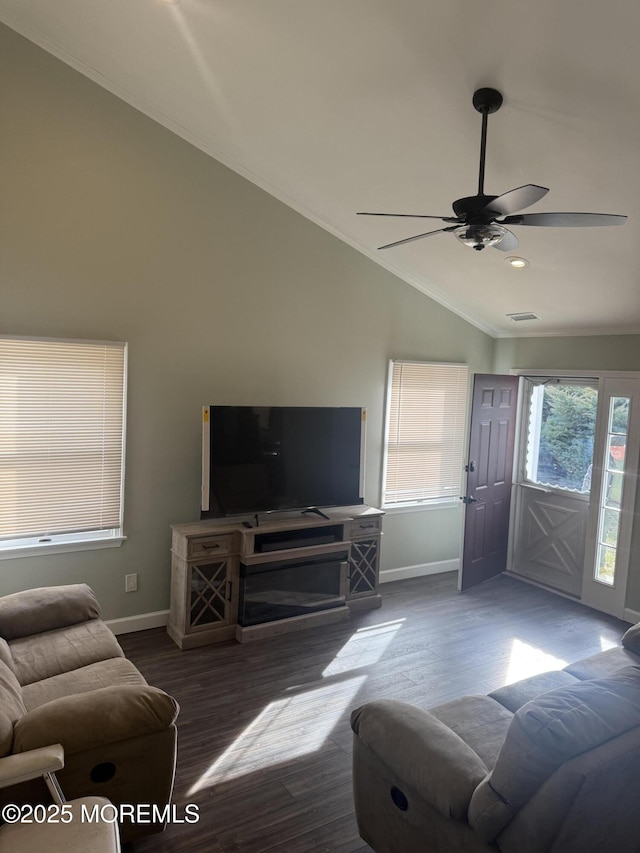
(287, 729)
(528, 660)
(606, 643)
(365, 647)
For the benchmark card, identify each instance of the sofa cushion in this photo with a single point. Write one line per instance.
(514, 696)
(11, 707)
(36, 610)
(54, 652)
(479, 721)
(602, 664)
(547, 732)
(102, 674)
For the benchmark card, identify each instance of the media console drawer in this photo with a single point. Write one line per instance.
(362, 527)
(209, 546)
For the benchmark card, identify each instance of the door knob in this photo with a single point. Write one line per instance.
(469, 500)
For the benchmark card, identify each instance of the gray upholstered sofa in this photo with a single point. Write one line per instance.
(550, 764)
(64, 680)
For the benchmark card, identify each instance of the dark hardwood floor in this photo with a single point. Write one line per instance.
(264, 741)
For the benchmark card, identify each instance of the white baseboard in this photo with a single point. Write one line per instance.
(632, 616)
(142, 622)
(437, 568)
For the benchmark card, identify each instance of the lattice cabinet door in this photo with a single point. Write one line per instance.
(211, 593)
(363, 567)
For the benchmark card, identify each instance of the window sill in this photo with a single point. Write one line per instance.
(394, 509)
(60, 547)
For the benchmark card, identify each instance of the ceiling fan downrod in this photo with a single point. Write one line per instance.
(485, 101)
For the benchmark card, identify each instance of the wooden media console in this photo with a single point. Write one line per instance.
(263, 575)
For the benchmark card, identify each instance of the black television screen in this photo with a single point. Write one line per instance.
(262, 458)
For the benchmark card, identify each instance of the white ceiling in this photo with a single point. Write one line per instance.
(335, 106)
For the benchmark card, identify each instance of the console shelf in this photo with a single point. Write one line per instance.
(207, 557)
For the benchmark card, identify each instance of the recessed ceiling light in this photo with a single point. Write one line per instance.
(517, 263)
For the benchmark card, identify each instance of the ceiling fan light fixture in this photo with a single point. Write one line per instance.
(517, 263)
(479, 236)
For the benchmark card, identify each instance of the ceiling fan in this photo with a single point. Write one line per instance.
(477, 221)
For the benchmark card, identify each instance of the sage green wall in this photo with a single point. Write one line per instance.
(115, 228)
(604, 352)
(600, 352)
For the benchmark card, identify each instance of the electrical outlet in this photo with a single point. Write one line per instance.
(130, 583)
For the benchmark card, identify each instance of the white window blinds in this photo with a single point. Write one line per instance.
(61, 436)
(425, 432)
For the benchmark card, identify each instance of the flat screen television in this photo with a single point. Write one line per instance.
(266, 458)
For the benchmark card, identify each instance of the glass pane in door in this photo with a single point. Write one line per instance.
(560, 435)
(611, 492)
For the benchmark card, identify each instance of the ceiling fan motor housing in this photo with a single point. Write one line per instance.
(475, 208)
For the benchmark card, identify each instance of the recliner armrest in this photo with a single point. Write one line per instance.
(24, 766)
(431, 759)
(95, 718)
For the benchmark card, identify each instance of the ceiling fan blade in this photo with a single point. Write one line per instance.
(410, 215)
(565, 220)
(508, 243)
(417, 237)
(517, 199)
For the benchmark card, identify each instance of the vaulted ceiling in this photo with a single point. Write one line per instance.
(339, 106)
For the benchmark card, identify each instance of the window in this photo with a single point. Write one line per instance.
(426, 414)
(62, 412)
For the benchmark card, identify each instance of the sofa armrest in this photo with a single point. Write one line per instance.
(95, 718)
(423, 752)
(631, 639)
(35, 611)
(22, 767)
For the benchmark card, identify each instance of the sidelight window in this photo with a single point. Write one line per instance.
(611, 490)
